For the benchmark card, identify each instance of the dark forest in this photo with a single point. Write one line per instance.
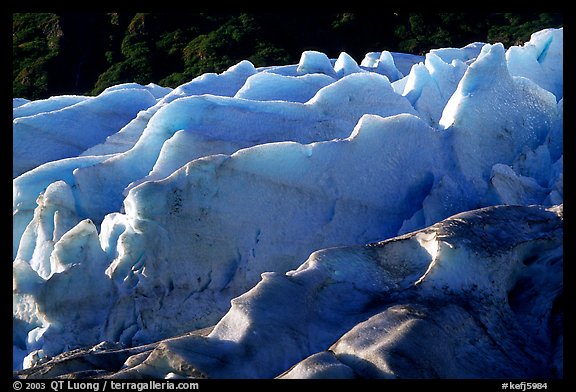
(84, 53)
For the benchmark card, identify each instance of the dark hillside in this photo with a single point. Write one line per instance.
(83, 53)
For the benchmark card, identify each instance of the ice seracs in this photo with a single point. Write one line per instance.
(399, 308)
(216, 124)
(220, 258)
(238, 196)
(430, 85)
(394, 295)
(54, 216)
(69, 131)
(270, 86)
(540, 60)
(496, 113)
(385, 63)
(313, 61)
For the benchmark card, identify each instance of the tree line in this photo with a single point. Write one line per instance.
(84, 53)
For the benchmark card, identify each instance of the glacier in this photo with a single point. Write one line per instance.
(316, 220)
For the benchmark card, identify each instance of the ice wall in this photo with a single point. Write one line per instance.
(174, 202)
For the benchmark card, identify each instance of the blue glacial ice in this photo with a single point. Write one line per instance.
(145, 212)
(48, 133)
